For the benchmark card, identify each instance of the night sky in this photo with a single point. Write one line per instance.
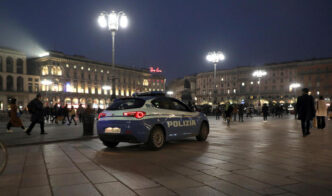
(173, 34)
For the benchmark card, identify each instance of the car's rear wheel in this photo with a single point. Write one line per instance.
(110, 144)
(203, 132)
(157, 138)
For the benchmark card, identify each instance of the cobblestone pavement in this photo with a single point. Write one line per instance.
(251, 158)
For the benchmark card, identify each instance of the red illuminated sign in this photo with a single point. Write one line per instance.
(157, 70)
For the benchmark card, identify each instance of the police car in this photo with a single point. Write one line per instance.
(150, 118)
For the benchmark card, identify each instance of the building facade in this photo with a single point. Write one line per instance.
(238, 84)
(15, 82)
(72, 80)
(75, 80)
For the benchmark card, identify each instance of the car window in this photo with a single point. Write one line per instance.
(162, 103)
(177, 105)
(130, 103)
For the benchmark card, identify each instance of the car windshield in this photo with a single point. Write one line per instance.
(123, 104)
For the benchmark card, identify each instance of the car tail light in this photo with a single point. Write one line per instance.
(101, 115)
(137, 114)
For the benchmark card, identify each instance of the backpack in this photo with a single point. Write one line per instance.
(31, 107)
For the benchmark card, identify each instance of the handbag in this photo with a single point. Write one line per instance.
(314, 122)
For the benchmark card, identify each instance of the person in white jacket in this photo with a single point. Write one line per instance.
(321, 112)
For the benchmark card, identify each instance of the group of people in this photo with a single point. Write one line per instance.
(305, 109)
(40, 114)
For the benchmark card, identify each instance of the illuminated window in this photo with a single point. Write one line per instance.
(82, 68)
(67, 65)
(59, 71)
(102, 71)
(145, 82)
(74, 66)
(45, 70)
(89, 69)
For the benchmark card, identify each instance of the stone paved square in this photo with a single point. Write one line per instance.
(249, 158)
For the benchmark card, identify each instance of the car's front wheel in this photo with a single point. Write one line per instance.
(156, 139)
(203, 132)
(110, 144)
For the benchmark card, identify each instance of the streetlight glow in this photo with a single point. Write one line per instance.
(259, 73)
(102, 21)
(294, 85)
(124, 21)
(215, 57)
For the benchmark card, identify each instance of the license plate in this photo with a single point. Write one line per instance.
(112, 130)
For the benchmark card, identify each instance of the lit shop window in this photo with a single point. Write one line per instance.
(67, 65)
(82, 68)
(145, 82)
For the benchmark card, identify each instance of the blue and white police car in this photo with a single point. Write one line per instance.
(150, 118)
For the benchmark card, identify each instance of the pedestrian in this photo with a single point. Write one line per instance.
(321, 113)
(65, 114)
(47, 112)
(228, 113)
(14, 121)
(36, 110)
(235, 111)
(241, 111)
(218, 113)
(306, 110)
(265, 111)
(80, 111)
(72, 115)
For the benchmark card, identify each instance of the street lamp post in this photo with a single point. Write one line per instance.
(112, 21)
(259, 74)
(215, 57)
(294, 86)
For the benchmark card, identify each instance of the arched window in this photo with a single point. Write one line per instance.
(0, 64)
(44, 70)
(19, 66)
(53, 70)
(20, 84)
(9, 64)
(1, 84)
(59, 71)
(10, 84)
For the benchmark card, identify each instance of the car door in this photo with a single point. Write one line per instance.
(187, 125)
(167, 116)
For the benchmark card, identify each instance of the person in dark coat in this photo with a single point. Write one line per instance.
(14, 121)
(37, 114)
(228, 113)
(241, 111)
(265, 111)
(218, 113)
(305, 108)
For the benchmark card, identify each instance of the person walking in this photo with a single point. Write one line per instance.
(306, 110)
(235, 111)
(72, 115)
(321, 113)
(218, 113)
(36, 110)
(265, 111)
(14, 121)
(228, 113)
(65, 113)
(241, 111)
(80, 111)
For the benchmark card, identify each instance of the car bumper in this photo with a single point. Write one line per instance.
(130, 131)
